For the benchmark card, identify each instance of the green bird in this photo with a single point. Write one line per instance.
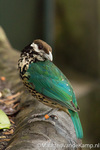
(46, 82)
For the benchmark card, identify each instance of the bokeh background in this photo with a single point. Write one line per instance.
(72, 28)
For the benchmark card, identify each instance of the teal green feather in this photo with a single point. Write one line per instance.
(47, 78)
(77, 124)
(51, 82)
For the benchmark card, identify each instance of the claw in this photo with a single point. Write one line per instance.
(54, 117)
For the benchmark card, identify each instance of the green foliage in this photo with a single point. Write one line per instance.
(4, 121)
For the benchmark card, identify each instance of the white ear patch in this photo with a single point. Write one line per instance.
(35, 47)
(33, 44)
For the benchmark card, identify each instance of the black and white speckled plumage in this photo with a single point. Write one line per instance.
(30, 55)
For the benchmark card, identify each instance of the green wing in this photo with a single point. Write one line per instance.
(51, 82)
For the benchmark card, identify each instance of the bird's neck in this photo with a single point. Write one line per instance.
(23, 63)
(26, 59)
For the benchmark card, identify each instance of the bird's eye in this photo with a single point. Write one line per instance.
(40, 46)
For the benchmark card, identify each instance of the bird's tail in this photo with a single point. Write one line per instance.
(77, 124)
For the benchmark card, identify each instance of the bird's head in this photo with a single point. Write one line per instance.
(38, 50)
(43, 49)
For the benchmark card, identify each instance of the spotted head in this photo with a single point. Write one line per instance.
(38, 50)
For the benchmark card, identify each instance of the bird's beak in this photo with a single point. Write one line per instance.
(49, 56)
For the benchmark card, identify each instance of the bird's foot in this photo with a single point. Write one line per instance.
(45, 115)
(49, 114)
(54, 117)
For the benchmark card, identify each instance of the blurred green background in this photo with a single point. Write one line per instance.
(72, 28)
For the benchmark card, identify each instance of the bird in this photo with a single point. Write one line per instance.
(46, 82)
